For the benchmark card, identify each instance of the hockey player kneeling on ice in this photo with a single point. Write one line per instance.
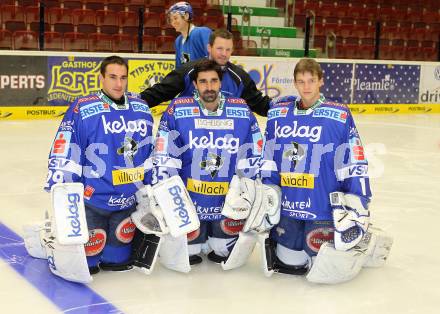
(205, 140)
(95, 166)
(313, 152)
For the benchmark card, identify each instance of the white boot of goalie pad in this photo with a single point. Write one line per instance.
(68, 261)
(262, 238)
(242, 250)
(379, 247)
(33, 242)
(332, 266)
(173, 253)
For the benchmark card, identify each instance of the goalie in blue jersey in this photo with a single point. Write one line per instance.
(314, 153)
(96, 164)
(206, 154)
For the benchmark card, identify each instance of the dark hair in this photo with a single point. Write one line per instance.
(308, 65)
(112, 60)
(222, 33)
(205, 65)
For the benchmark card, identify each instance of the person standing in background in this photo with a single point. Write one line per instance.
(193, 40)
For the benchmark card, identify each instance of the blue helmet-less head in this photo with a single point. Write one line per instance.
(181, 8)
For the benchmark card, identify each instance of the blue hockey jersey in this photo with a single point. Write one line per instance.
(310, 153)
(206, 149)
(194, 47)
(103, 145)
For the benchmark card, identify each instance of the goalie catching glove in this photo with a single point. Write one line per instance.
(254, 201)
(350, 217)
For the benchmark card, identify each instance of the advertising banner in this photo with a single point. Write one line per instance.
(71, 77)
(23, 80)
(386, 84)
(430, 84)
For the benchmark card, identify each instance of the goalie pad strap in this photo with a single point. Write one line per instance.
(145, 249)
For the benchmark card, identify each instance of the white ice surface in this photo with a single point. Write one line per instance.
(404, 155)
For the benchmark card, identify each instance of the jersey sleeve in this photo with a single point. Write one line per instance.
(248, 159)
(271, 156)
(167, 148)
(66, 156)
(352, 172)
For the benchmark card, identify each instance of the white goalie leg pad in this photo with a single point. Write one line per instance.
(173, 253)
(176, 205)
(69, 217)
(67, 261)
(241, 251)
(33, 239)
(350, 218)
(333, 266)
(265, 212)
(379, 247)
(266, 255)
(240, 197)
(148, 216)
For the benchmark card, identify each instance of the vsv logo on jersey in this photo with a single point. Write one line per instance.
(93, 109)
(331, 113)
(230, 144)
(122, 126)
(186, 112)
(61, 144)
(277, 112)
(286, 131)
(353, 171)
(237, 113)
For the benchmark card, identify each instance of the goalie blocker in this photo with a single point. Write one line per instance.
(62, 236)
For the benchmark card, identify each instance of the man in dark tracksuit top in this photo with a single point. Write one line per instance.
(236, 82)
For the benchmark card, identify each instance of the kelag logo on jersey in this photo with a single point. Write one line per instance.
(186, 112)
(286, 131)
(331, 113)
(229, 144)
(60, 146)
(127, 127)
(93, 109)
(237, 113)
(277, 112)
